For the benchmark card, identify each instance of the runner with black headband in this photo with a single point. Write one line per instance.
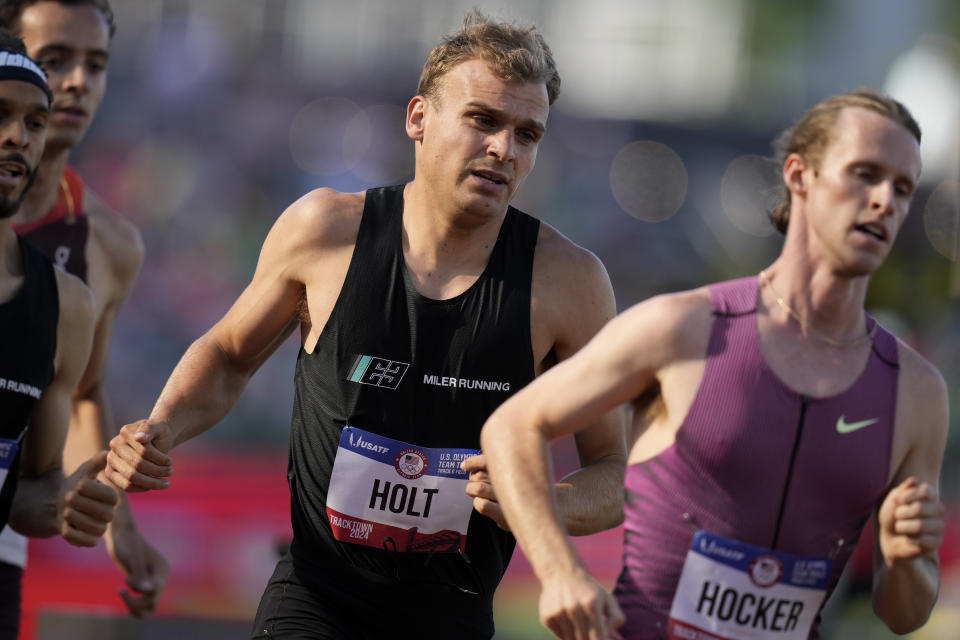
(70, 224)
(46, 321)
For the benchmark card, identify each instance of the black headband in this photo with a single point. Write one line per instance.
(16, 66)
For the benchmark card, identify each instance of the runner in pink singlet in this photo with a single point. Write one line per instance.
(773, 417)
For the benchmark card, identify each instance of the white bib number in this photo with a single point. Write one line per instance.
(732, 590)
(8, 452)
(392, 495)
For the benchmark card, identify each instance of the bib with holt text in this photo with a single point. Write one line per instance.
(397, 496)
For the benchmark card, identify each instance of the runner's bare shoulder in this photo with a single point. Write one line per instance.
(77, 309)
(923, 393)
(321, 219)
(676, 323)
(570, 287)
(114, 235)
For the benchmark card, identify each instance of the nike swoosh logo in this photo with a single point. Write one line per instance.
(849, 427)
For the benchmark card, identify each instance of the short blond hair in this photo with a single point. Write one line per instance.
(512, 52)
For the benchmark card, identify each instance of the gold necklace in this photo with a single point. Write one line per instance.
(840, 344)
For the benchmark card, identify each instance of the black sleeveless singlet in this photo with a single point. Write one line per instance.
(451, 363)
(27, 350)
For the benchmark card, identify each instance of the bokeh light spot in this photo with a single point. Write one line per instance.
(326, 136)
(164, 175)
(648, 180)
(941, 219)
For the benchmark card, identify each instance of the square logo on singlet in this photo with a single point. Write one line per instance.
(378, 372)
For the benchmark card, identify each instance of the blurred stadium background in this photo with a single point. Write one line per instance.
(219, 113)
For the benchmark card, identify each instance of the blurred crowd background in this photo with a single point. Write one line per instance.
(220, 113)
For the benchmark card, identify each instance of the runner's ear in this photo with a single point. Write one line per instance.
(416, 111)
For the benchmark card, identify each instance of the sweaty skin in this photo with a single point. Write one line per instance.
(78, 508)
(474, 146)
(654, 354)
(72, 44)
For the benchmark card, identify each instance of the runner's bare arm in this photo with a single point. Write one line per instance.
(571, 301)
(591, 498)
(212, 373)
(909, 523)
(115, 253)
(620, 363)
(45, 502)
(119, 245)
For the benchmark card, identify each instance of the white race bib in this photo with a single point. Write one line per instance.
(8, 452)
(731, 590)
(392, 495)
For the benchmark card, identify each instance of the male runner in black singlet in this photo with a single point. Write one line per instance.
(62, 217)
(46, 320)
(424, 307)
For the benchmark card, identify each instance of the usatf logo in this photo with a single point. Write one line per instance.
(366, 444)
(378, 372)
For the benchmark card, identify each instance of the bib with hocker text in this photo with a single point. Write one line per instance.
(731, 590)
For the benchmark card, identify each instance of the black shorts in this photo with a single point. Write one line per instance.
(11, 585)
(290, 610)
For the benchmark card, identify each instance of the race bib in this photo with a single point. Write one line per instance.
(8, 452)
(397, 496)
(731, 590)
